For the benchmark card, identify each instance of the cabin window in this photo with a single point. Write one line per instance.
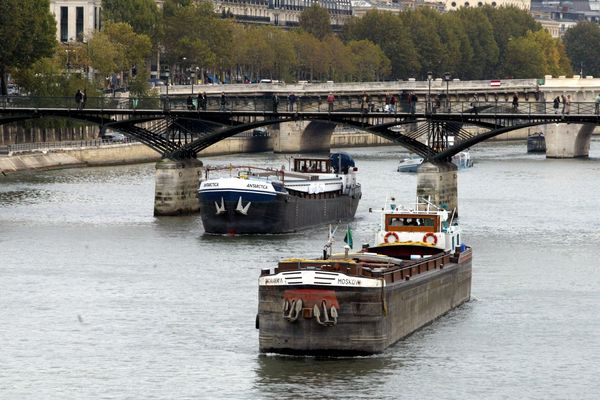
(453, 243)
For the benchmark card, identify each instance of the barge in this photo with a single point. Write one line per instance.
(314, 191)
(360, 303)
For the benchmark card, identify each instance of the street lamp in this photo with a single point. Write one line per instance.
(166, 105)
(192, 76)
(429, 78)
(447, 78)
(167, 76)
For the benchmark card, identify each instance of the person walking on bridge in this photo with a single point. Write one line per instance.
(202, 101)
(515, 102)
(556, 104)
(292, 101)
(567, 106)
(79, 99)
(364, 103)
(330, 101)
(597, 105)
(275, 102)
(223, 101)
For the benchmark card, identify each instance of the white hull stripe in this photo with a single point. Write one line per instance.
(241, 191)
(321, 278)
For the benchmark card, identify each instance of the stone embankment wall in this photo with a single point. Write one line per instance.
(117, 154)
(14, 134)
(138, 153)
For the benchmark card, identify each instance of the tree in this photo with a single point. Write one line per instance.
(316, 21)
(308, 55)
(117, 48)
(556, 61)
(27, 34)
(423, 25)
(582, 43)
(371, 64)
(143, 15)
(509, 22)
(458, 50)
(391, 34)
(481, 38)
(339, 59)
(207, 45)
(524, 58)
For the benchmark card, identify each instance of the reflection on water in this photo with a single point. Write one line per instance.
(24, 196)
(310, 377)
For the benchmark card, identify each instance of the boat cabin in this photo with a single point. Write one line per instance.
(412, 222)
(322, 165)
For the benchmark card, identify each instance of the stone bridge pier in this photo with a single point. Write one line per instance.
(439, 183)
(568, 140)
(302, 137)
(176, 187)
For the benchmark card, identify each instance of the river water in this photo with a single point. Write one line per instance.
(101, 300)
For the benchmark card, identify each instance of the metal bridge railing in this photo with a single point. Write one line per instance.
(20, 148)
(303, 103)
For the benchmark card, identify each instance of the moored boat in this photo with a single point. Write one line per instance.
(536, 143)
(257, 200)
(362, 302)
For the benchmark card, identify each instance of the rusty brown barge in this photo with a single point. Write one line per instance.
(360, 303)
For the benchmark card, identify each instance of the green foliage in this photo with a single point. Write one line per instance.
(316, 21)
(509, 22)
(117, 48)
(27, 34)
(143, 15)
(371, 64)
(481, 38)
(391, 34)
(524, 59)
(582, 43)
(194, 32)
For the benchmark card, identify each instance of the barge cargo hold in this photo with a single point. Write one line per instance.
(360, 303)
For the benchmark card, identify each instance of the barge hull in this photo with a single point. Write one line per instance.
(370, 319)
(278, 214)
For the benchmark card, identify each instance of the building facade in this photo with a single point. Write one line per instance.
(455, 4)
(76, 19)
(284, 13)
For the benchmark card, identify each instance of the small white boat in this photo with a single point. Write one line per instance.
(410, 164)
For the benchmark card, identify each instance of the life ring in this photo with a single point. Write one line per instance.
(427, 236)
(388, 235)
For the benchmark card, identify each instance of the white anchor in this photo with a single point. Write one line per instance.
(240, 209)
(221, 209)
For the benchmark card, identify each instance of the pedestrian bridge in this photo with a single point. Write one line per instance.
(434, 128)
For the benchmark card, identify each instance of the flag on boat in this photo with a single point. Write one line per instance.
(348, 237)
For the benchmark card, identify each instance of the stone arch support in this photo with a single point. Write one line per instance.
(303, 136)
(438, 182)
(568, 140)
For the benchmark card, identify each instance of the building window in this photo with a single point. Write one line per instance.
(79, 24)
(64, 24)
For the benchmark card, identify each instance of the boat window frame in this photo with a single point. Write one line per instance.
(390, 227)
